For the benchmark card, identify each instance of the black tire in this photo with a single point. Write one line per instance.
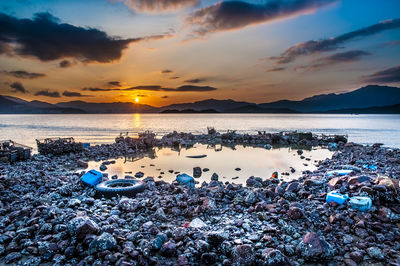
(123, 187)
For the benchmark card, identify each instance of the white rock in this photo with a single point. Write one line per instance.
(197, 223)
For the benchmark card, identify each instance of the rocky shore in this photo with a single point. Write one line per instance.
(47, 216)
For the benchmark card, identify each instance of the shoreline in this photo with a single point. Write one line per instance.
(48, 216)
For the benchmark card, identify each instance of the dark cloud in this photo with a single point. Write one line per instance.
(276, 69)
(166, 71)
(158, 5)
(197, 80)
(142, 95)
(73, 94)
(47, 93)
(324, 45)
(345, 57)
(115, 83)
(18, 87)
(22, 74)
(100, 89)
(184, 88)
(65, 63)
(388, 75)
(164, 97)
(230, 15)
(176, 77)
(46, 38)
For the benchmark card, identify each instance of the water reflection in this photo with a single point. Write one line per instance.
(165, 163)
(137, 120)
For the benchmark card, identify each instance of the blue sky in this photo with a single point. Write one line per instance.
(212, 49)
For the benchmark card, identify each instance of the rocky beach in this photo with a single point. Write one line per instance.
(49, 217)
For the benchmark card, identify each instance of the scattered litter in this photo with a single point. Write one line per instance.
(334, 196)
(185, 179)
(11, 151)
(360, 203)
(196, 156)
(92, 178)
(370, 167)
(339, 172)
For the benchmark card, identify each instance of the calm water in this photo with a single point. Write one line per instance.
(252, 161)
(103, 128)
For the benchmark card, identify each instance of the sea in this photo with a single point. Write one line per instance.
(103, 128)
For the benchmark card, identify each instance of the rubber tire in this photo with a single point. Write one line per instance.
(107, 190)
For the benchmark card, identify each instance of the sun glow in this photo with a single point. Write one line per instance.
(137, 99)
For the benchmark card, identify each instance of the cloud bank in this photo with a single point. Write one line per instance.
(18, 87)
(46, 38)
(47, 93)
(337, 58)
(232, 15)
(22, 74)
(157, 5)
(389, 75)
(324, 45)
(184, 88)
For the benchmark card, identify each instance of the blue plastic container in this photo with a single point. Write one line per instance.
(86, 145)
(339, 172)
(92, 178)
(333, 196)
(360, 203)
(186, 180)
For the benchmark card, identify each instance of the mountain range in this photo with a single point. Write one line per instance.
(368, 99)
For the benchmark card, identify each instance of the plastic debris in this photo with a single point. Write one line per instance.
(92, 178)
(334, 196)
(370, 167)
(185, 179)
(339, 172)
(360, 203)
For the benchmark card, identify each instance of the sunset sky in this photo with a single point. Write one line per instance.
(173, 51)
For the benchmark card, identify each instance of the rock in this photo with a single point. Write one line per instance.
(160, 214)
(243, 255)
(197, 223)
(168, 249)
(214, 177)
(349, 262)
(103, 167)
(295, 213)
(375, 253)
(104, 242)
(299, 152)
(216, 237)
(159, 241)
(74, 203)
(12, 257)
(314, 248)
(127, 204)
(356, 256)
(139, 174)
(208, 258)
(81, 226)
(237, 169)
(197, 171)
(82, 164)
(273, 257)
(251, 198)
(292, 187)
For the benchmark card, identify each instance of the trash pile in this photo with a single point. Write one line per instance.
(57, 146)
(11, 151)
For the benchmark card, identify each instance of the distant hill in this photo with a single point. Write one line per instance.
(368, 99)
(116, 107)
(369, 96)
(218, 105)
(12, 105)
(258, 109)
(392, 109)
(189, 111)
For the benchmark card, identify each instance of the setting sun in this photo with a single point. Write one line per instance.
(137, 99)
